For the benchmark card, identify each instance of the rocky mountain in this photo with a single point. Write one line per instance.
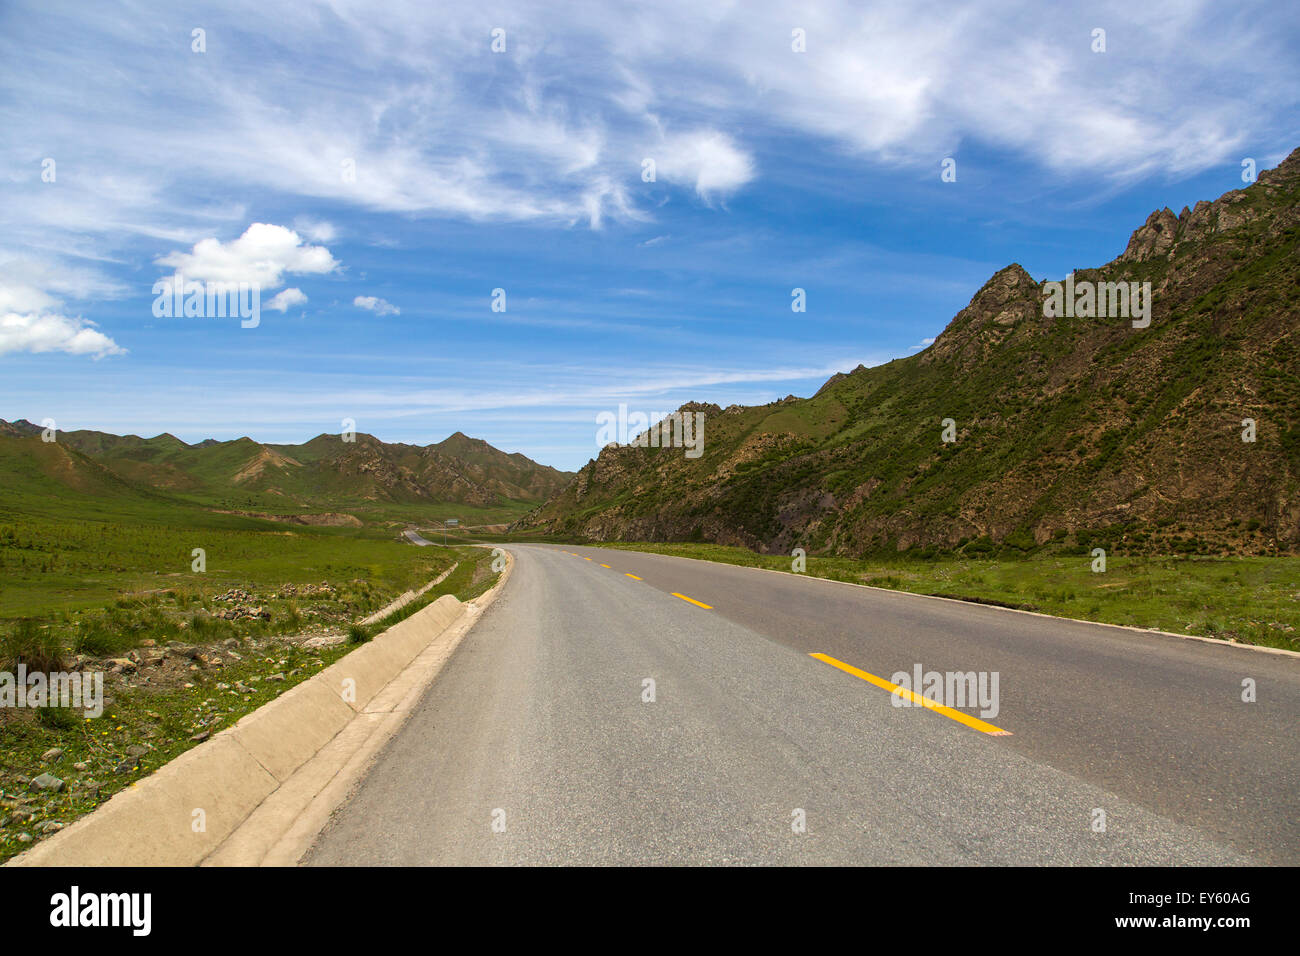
(326, 472)
(1068, 429)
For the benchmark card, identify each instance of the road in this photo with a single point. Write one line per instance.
(538, 743)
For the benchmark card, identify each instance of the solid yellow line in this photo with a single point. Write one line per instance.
(586, 559)
(606, 566)
(916, 699)
(707, 607)
(632, 576)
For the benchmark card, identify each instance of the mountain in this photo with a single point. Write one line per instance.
(1070, 431)
(324, 473)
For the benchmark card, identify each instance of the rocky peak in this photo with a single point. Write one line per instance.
(1156, 236)
(1010, 297)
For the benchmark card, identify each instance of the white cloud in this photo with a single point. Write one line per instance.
(317, 230)
(283, 301)
(53, 332)
(261, 255)
(555, 129)
(33, 319)
(707, 160)
(376, 305)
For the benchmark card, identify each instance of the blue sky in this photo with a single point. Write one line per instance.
(523, 170)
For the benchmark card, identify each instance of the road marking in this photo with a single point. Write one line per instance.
(606, 566)
(707, 607)
(916, 699)
(586, 559)
(632, 576)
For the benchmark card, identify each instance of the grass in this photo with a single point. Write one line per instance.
(1252, 600)
(50, 565)
(102, 756)
(164, 721)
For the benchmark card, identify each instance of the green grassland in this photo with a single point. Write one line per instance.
(1252, 600)
(101, 756)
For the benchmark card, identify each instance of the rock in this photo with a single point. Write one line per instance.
(149, 642)
(276, 677)
(80, 766)
(201, 736)
(46, 781)
(230, 642)
(24, 838)
(122, 665)
(51, 755)
(243, 688)
(126, 766)
(137, 750)
(50, 826)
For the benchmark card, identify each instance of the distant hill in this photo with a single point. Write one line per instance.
(326, 473)
(1069, 431)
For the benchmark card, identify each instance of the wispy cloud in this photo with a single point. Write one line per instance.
(376, 305)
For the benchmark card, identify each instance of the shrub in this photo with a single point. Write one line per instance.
(29, 643)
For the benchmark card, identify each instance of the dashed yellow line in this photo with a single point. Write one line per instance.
(632, 576)
(707, 607)
(605, 566)
(916, 699)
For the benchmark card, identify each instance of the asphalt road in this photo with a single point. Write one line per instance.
(537, 745)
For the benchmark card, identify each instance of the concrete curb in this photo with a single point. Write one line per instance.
(187, 809)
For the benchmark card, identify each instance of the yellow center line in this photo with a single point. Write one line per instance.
(916, 699)
(632, 576)
(605, 566)
(707, 607)
(586, 559)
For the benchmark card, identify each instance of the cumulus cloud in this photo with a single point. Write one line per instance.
(262, 255)
(376, 305)
(33, 319)
(286, 300)
(53, 332)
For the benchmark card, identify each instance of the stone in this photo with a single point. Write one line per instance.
(51, 755)
(46, 781)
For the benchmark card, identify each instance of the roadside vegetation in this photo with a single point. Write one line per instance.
(184, 654)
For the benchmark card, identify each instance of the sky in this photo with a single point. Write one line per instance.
(645, 184)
